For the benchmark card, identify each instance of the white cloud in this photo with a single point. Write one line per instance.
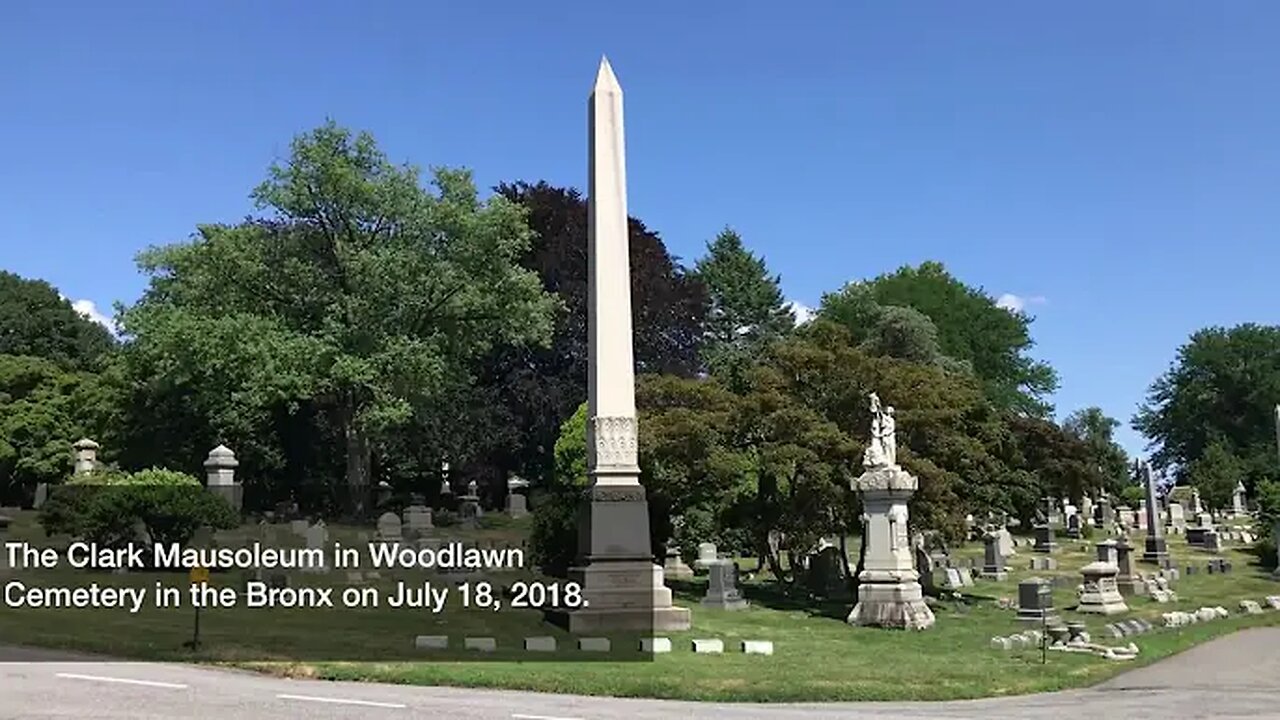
(90, 311)
(803, 312)
(1017, 303)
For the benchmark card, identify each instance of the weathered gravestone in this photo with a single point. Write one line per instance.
(1035, 600)
(1126, 581)
(1099, 593)
(674, 564)
(707, 554)
(722, 588)
(318, 539)
(418, 519)
(389, 528)
(993, 561)
(825, 577)
(1073, 526)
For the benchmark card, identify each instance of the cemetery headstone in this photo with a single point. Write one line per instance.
(1073, 526)
(674, 565)
(1212, 542)
(707, 554)
(825, 576)
(418, 519)
(722, 589)
(318, 539)
(993, 561)
(1238, 505)
(389, 528)
(1035, 600)
(1099, 593)
(1126, 581)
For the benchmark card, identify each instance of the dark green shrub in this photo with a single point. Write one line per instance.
(114, 509)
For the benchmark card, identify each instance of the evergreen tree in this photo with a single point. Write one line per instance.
(747, 307)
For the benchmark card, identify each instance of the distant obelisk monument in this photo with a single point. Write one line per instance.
(621, 582)
(1156, 550)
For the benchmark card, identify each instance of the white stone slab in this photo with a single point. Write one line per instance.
(712, 646)
(545, 643)
(592, 644)
(431, 642)
(480, 644)
(655, 645)
(757, 647)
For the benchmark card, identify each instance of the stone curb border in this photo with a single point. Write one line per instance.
(540, 644)
(1136, 626)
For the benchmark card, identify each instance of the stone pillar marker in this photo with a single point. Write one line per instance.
(86, 455)
(889, 592)
(1155, 551)
(621, 582)
(220, 475)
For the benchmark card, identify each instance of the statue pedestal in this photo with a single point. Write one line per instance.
(622, 585)
(889, 592)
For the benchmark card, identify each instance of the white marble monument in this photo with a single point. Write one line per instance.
(622, 583)
(889, 592)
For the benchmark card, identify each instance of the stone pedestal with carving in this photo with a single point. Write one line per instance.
(1100, 594)
(620, 580)
(889, 592)
(623, 586)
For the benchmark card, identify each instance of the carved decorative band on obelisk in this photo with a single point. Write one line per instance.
(621, 582)
(889, 592)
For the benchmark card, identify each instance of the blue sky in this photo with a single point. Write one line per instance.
(1114, 165)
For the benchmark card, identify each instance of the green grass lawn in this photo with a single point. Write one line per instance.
(817, 656)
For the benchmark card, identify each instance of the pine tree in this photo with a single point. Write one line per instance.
(747, 306)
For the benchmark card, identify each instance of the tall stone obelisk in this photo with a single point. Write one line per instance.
(621, 582)
(1156, 550)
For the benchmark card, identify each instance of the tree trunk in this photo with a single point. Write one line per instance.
(850, 579)
(359, 464)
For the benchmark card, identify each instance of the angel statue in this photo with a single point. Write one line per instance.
(883, 450)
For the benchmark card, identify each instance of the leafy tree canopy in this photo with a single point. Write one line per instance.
(970, 329)
(1222, 387)
(35, 320)
(44, 407)
(1096, 430)
(365, 293)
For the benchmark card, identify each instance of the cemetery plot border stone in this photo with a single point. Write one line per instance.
(480, 644)
(540, 644)
(711, 646)
(431, 642)
(655, 645)
(594, 644)
(757, 647)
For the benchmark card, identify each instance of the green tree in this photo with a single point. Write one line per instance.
(526, 393)
(44, 407)
(364, 294)
(1096, 429)
(971, 328)
(747, 306)
(1222, 386)
(37, 321)
(1215, 474)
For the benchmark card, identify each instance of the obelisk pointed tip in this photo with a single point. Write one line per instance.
(605, 79)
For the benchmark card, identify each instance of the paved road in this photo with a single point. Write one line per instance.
(1233, 677)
